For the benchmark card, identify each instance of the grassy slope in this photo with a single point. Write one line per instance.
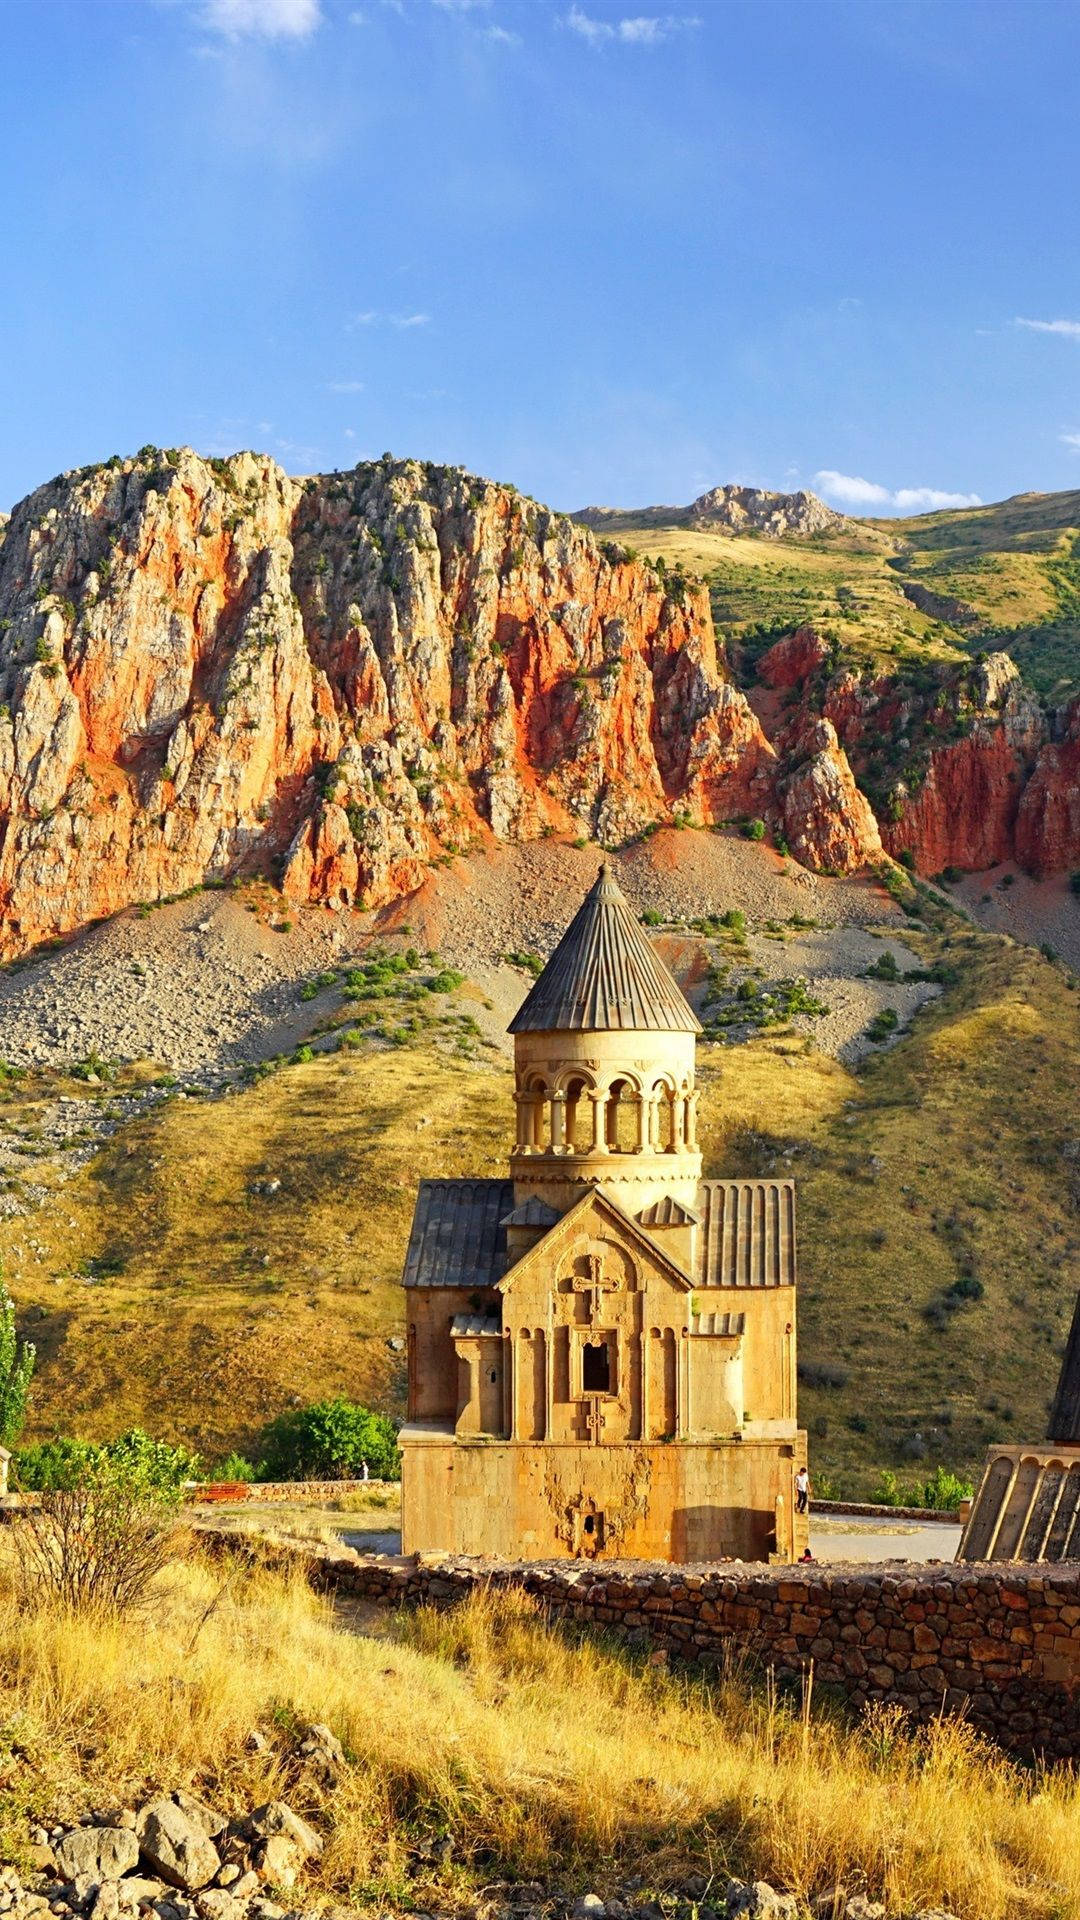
(467, 1729)
(1016, 565)
(215, 1302)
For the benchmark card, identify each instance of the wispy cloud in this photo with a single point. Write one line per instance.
(865, 496)
(371, 317)
(265, 19)
(1072, 441)
(636, 30)
(502, 36)
(1068, 329)
(460, 6)
(345, 386)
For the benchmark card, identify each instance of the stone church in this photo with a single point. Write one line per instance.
(601, 1347)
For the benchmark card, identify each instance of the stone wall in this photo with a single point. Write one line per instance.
(294, 1492)
(1000, 1646)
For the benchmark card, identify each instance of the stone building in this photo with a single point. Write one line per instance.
(601, 1346)
(1027, 1504)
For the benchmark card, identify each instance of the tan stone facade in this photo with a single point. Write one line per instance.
(602, 1348)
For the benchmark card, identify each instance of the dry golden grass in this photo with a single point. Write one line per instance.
(535, 1755)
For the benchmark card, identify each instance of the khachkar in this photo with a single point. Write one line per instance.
(1027, 1505)
(602, 1346)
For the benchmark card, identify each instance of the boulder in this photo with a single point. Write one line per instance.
(176, 1845)
(323, 1753)
(277, 1819)
(96, 1853)
(759, 1901)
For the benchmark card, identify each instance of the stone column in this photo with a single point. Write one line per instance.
(599, 1109)
(644, 1105)
(691, 1120)
(679, 1127)
(558, 1123)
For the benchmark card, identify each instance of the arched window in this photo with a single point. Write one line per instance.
(622, 1117)
(579, 1116)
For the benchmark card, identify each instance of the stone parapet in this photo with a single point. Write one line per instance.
(1000, 1647)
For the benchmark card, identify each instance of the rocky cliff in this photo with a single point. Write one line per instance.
(210, 665)
(727, 509)
(963, 767)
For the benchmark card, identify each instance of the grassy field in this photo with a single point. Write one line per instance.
(171, 1283)
(467, 1739)
(1004, 576)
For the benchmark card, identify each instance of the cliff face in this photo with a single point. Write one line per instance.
(210, 667)
(209, 664)
(962, 770)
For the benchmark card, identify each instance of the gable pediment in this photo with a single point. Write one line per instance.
(596, 1215)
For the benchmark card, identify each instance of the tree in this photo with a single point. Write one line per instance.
(331, 1440)
(16, 1371)
(94, 1543)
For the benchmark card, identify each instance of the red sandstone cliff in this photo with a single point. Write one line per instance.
(963, 768)
(209, 664)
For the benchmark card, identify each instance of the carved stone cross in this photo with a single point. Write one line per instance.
(595, 1286)
(594, 1421)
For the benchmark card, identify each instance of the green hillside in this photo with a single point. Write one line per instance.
(942, 586)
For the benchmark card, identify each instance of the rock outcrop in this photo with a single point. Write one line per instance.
(206, 666)
(209, 668)
(728, 509)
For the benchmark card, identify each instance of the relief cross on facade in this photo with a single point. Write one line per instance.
(595, 1285)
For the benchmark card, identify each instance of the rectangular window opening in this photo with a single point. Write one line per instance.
(596, 1367)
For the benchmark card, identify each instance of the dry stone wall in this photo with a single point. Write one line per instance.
(1001, 1646)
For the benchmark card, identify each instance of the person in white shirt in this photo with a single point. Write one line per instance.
(802, 1491)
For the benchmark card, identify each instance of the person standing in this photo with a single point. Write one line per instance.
(802, 1491)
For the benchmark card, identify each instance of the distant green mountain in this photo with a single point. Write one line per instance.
(941, 586)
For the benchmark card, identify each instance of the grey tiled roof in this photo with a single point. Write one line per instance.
(747, 1234)
(475, 1326)
(604, 975)
(532, 1212)
(457, 1237)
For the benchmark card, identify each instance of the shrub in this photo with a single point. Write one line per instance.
(97, 1539)
(754, 830)
(16, 1371)
(652, 917)
(884, 968)
(234, 1467)
(822, 1373)
(331, 1440)
(1074, 882)
(882, 1025)
(57, 1463)
(943, 1491)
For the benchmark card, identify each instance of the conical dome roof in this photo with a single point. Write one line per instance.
(604, 975)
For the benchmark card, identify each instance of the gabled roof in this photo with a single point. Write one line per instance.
(667, 1212)
(604, 975)
(597, 1199)
(532, 1212)
(475, 1326)
(457, 1237)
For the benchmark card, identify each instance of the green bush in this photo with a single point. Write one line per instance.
(53, 1465)
(16, 1371)
(754, 830)
(331, 1440)
(1074, 882)
(943, 1491)
(234, 1467)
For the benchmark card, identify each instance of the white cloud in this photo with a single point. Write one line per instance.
(460, 6)
(366, 319)
(638, 30)
(1072, 441)
(502, 36)
(1069, 329)
(345, 386)
(405, 320)
(267, 19)
(863, 496)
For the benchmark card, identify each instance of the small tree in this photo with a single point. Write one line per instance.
(16, 1371)
(332, 1440)
(95, 1541)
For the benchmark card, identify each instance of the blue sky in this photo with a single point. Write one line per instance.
(613, 256)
